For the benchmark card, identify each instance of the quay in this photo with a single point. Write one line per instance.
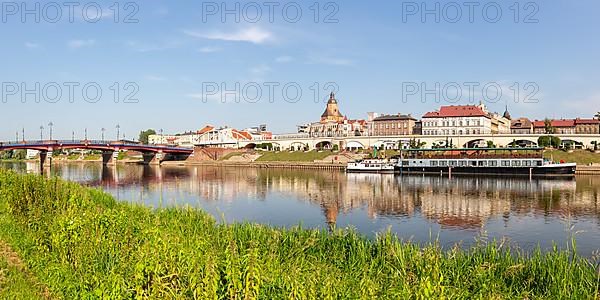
(262, 165)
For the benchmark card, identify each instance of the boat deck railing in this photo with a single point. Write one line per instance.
(476, 156)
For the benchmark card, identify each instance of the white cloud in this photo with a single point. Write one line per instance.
(284, 59)
(74, 44)
(209, 49)
(255, 35)
(31, 45)
(327, 60)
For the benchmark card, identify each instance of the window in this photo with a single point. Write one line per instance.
(493, 163)
(462, 163)
(434, 163)
(453, 163)
(443, 163)
(506, 163)
(474, 163)
(481, 163)
(516, 163)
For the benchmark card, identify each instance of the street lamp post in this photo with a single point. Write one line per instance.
(23, 134)
(50, 126)
(103, 130)
(73, 135)
(85, 134)
(17, 137)
(118, 128)
(41, 133)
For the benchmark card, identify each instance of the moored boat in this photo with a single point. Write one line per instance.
(372, 166)
(489, 161)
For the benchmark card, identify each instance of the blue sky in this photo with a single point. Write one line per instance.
(370, 53)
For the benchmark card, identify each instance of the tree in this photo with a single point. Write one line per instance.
(490, 144)
(544, 141)
(145, 134)
(7, 154)
(555, 141)
(548, 128)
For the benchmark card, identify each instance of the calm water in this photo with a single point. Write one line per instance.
(419, 208)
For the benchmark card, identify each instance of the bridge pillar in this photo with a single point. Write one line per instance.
(45, 159)
(153, 158)
(109, 157)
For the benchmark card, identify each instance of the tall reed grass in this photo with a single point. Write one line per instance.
(83, 244)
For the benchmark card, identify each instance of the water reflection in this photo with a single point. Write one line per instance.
(530, 213)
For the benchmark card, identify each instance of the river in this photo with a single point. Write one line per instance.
(459, 210)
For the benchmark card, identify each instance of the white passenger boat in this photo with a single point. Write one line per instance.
(372, 166)
(489, 161)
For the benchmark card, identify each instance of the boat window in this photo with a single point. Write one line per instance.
(474, 163)
(443, 163)
(482, 163)
(434, 163)
(493, 163)
(462, 163)
(405, 162)
(527, 163)
(516, 163)
(539, 162)
(453, 163)
(506, 163)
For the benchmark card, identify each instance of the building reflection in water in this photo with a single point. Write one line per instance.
(460, 203)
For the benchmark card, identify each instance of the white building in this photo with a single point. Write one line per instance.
(209, 136)
(464, 120)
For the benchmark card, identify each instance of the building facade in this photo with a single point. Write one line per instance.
(521, 126)
(390, 125)
(210, 136)
(557, 126)
(587, 126)
(464, 120)
(568, 126)
(334, 124)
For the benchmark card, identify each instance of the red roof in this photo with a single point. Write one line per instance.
(206, 128)
(457, 111)
(586, 121)
(241, 135)
(554, 123)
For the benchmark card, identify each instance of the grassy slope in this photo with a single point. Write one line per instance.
(82, 243)
(582, 157)
(297, 156)
(230, 155)
(16, 282)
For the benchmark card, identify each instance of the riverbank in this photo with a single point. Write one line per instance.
(81, 243)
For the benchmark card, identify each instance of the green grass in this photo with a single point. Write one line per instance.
(15, 280)
(92, 157)
(297, 156)
(581, 157)
(83, 244)
(14, 283)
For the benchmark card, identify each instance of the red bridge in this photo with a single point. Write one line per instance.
(153, 154)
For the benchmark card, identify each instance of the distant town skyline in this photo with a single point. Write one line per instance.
(165, 65)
